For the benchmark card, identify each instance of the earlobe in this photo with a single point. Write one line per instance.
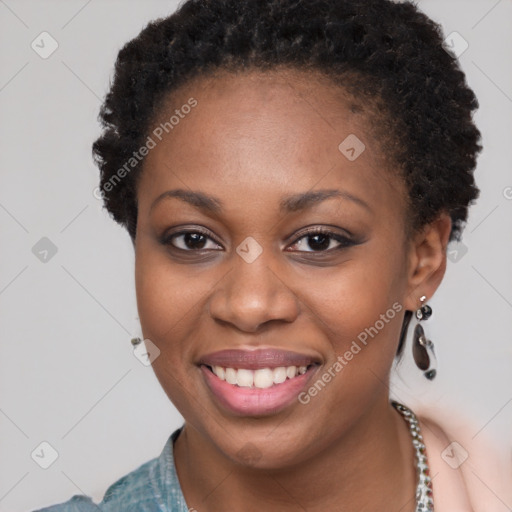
(427, 260)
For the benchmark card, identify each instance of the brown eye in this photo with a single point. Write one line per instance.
(190, 241)
(321, 240)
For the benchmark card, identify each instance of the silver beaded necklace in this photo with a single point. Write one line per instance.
(424, 496)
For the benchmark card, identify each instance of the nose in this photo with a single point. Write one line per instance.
(252, 295)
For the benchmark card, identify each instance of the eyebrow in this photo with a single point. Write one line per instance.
(292, 203)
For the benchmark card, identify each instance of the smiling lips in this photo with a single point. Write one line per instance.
(256, 382)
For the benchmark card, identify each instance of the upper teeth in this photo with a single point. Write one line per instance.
(262, 378)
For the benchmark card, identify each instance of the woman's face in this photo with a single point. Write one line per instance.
(258, 162)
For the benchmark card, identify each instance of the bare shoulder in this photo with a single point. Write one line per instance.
(467, 476)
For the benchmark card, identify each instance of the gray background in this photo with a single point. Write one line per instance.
(67, 372)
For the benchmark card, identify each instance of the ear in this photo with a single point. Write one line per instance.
(427, 260)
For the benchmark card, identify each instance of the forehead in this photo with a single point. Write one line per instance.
(263, 134)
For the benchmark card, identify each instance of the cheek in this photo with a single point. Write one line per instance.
(166, 297)
(350, 300)
(360, 314)
(359, 308)
(165, 292)
(166, 301)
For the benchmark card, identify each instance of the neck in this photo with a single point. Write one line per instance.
(370, 467)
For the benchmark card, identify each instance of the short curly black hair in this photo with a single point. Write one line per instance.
(380, 50)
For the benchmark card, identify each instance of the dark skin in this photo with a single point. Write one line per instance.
(250, 141)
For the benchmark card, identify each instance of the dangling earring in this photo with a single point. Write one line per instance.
(423, 348)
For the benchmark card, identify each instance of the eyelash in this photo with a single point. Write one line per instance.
(343, 240)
